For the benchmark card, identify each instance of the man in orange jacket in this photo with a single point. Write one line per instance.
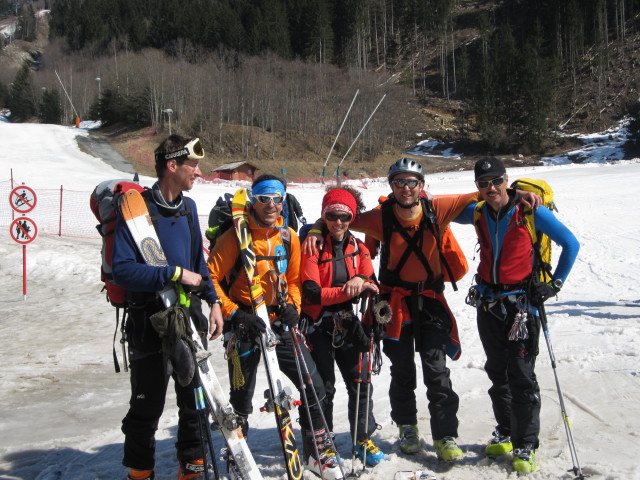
(277, 251)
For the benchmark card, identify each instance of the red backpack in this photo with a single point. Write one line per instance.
(104, 205)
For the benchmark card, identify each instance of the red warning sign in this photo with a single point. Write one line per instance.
(23, 199)
(23, 230)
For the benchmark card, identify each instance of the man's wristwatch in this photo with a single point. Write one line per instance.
(218, 301)
(557, 284)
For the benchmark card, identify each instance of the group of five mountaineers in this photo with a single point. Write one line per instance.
(326, 279)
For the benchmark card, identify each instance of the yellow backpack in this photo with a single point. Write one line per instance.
(541, 242)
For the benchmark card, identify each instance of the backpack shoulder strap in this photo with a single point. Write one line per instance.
(351, 240)
(429, 216)
(414, 244)
(529, 221)
(476, 212)
(542, 266)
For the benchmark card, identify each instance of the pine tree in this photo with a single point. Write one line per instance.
(50, 110)
(21, 95)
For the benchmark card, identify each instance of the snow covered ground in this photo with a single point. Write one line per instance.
(61, 402)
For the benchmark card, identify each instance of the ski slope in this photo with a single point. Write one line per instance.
(62, 403)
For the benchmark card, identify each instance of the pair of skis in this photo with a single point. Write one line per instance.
(278, 396)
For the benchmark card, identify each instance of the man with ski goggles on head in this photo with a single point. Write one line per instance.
(277, 251)
(175, 220)
(507, 297)
(411, 277)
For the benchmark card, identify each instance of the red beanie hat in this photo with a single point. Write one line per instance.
(339, 199)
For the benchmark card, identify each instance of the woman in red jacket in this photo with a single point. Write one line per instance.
(332, 281)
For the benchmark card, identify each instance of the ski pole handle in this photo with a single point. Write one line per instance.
(359, 377)
(370, 360)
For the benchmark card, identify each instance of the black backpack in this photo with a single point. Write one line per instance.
(220, 220)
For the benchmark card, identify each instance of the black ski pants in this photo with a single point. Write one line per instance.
(149, 384)
(510, 365)
(148, 391)
(346, 357)
(250, 354)
(434, 325)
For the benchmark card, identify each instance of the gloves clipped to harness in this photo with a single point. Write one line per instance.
(248, 323)
(289, 316)
(541, 292)
(356, 334)
(174, 329)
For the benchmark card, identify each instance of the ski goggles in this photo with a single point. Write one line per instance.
(496, 182)
(267, 199)
(335, 216)
(405, 182)
(192, 150)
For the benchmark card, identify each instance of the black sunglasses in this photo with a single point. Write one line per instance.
(334, 217)
(406, 182)
(266, 199)
(496, 182)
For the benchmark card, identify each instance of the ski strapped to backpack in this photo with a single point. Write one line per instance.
(104, 203)
(451, 256)
(541, 242)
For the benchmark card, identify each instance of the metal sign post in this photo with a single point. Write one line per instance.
(23, 230)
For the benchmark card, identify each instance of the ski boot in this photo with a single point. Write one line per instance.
(499, 445)
(374, 454)
(409, 439)
(447, 449)
(141, 475)
(327, 463)
(193, 470)
(524, 460)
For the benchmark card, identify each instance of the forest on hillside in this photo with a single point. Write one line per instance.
(511, 71)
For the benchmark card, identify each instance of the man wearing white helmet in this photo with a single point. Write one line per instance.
(412, 280)
(411, 277)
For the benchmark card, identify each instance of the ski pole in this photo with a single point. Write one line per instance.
(298, 353)
(366, 418)
(577, 471)
(366, 295)
(353, 473)
(205, 431)
(306, 400)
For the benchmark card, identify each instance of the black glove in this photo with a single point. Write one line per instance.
(357, 336)
(541, 292)
(377, 331)
(248, 323)
(289, 316)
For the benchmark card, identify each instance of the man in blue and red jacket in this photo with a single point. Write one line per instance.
(507, 296)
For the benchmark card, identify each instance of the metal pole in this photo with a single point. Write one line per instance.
(65, 92)
(360, 132)
(337, 135)
(60, 215)
(577, 470)
(168, 111)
